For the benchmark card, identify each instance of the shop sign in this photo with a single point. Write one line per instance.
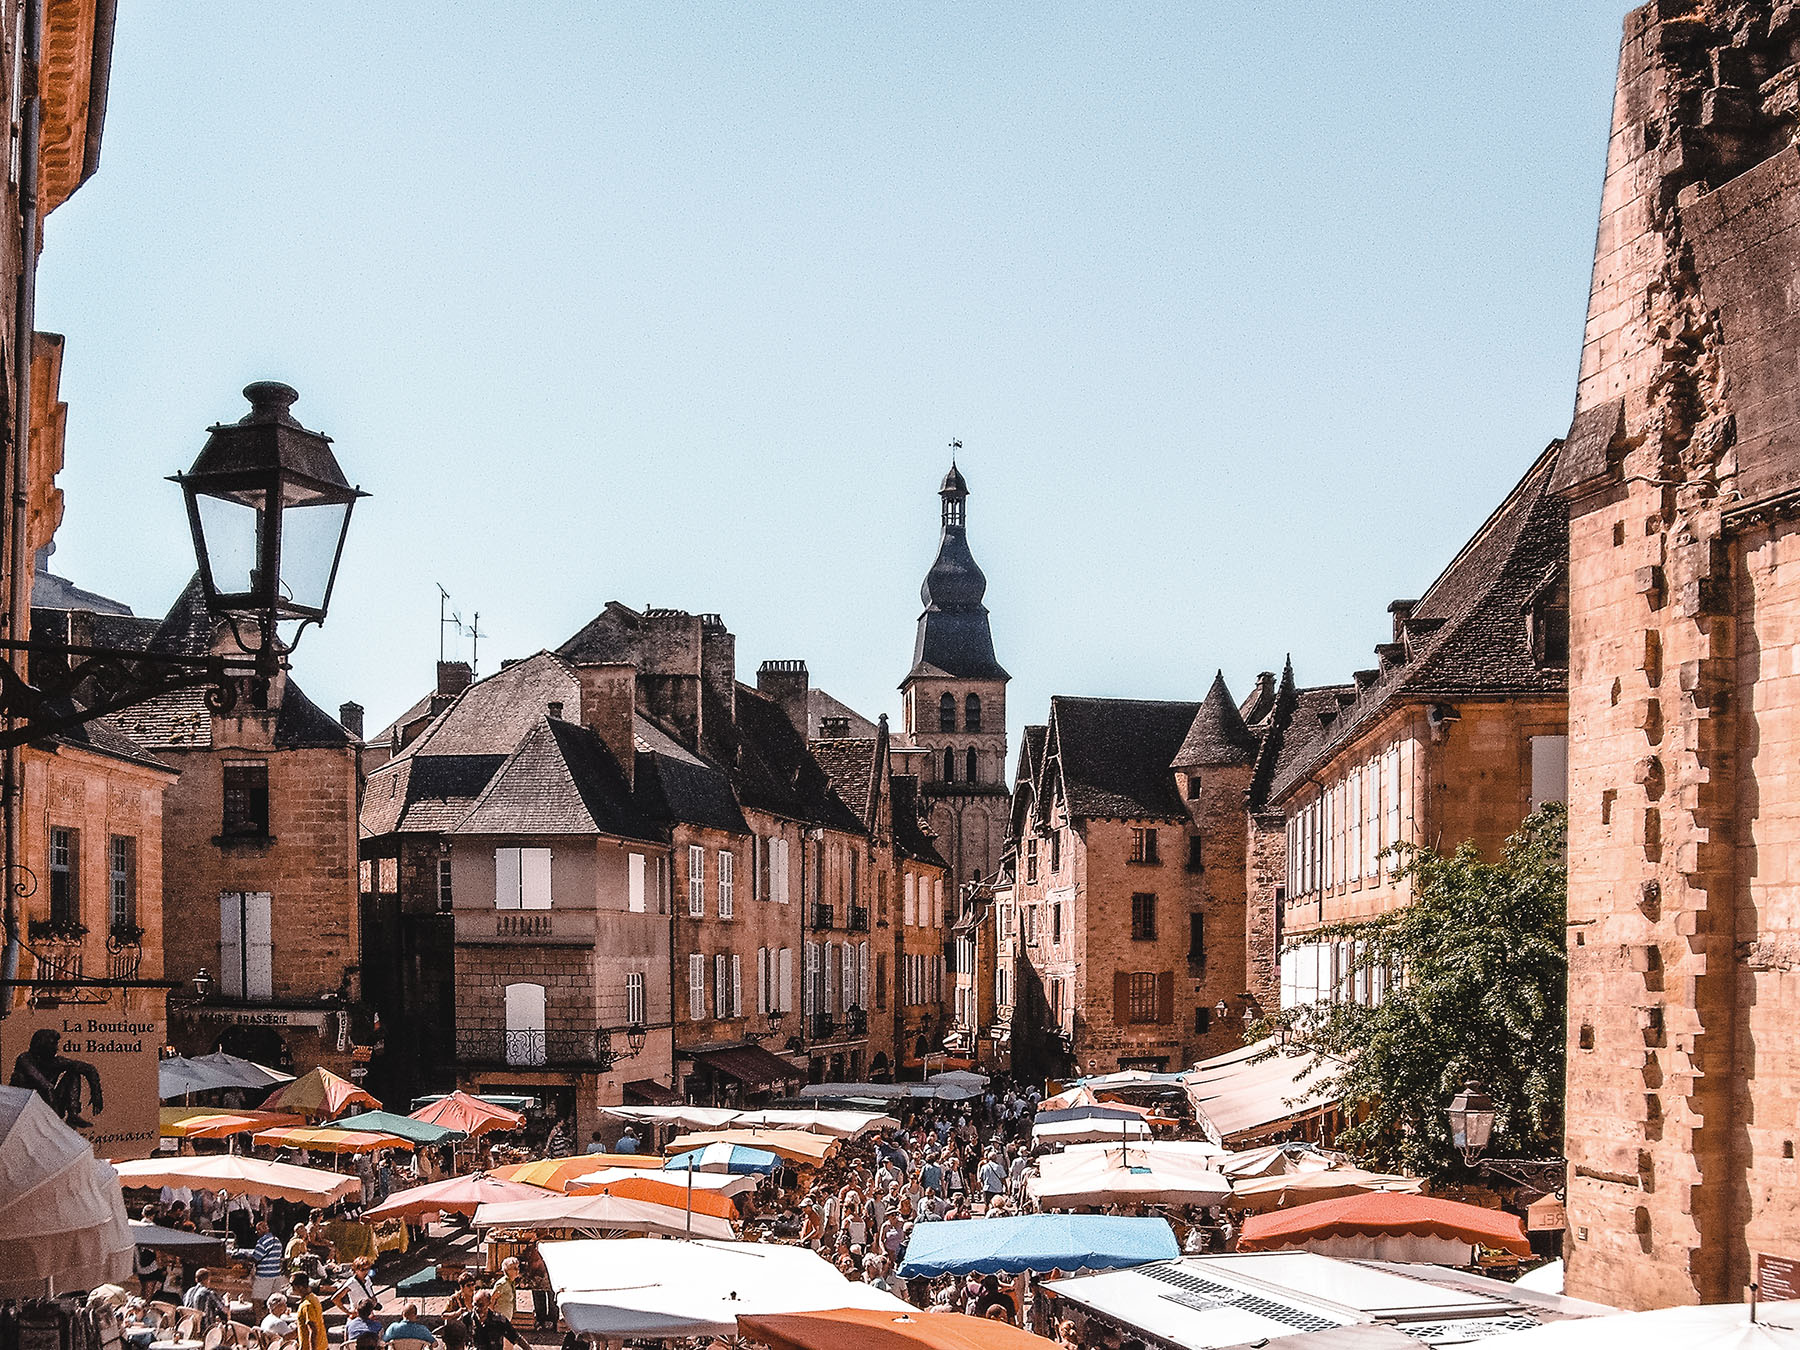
(72, 1046)
(261, 1017)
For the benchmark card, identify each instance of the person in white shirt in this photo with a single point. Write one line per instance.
(279, 1322)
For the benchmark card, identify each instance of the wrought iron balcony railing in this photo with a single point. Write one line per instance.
(859, 918)
(822, 916)
(535, 1049)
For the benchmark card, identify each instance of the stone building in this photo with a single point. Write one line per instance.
(1681, 473)
(259, 858)
(1455, 735)
(1128, 887)
(974, 965)
(953, 704)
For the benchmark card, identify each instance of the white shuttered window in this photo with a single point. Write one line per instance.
(726, 896)
(785, 979)
(246, 945)
(634, 876)
(696, 986)
(696, 882)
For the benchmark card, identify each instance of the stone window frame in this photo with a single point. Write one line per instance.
(1140, 1007)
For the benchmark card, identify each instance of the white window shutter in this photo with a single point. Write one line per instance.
(696, 986)
(937, 902)
(829, 960)
(847, 986)
(721, 992)
(534, 878)
(634, 872)
(727, 884)
(781, 870)
(785, 979)
(912, 901)
(259, 945)
(506, 878)
(737, 985)
(696, 882)
(862, 974)
(231, 944)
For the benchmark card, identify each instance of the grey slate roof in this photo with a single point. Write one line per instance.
(560, 780)
(953, 637)
(1468, 635)
(1218, 735)
(1113, 755)
(911, 836)
(848, 762)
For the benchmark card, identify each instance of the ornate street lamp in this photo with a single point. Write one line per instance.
(775, 1015)
(269, 509)
(635, 1036)
(1471, 1114)
(1221, 1010)
(202, 983)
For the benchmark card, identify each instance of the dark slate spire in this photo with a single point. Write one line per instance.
(954, 638)
(1218, 735)
(1268, 754)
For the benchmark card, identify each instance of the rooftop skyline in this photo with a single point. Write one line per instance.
(1242, 336)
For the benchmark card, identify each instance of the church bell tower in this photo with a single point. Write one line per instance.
(954, 702)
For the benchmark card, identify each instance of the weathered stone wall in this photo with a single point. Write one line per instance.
(1682, 1004)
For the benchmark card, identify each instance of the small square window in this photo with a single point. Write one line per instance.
(1143, 844)
(246, 804)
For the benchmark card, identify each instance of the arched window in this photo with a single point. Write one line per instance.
(972, 713)
(525, 1024)
(949, 762)
(974, 767)
(947, 713)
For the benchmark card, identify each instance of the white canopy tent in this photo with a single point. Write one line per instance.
(1709, 1326)
(62, 1218)
(645, 1287)
(238, 1174)
(602, 1213)
(727, 1184)
(1251, 1090)
(837, 1124)
(1128, 1176)
(1114, 1132)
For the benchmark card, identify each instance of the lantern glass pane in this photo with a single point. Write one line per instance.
(230, 528)
(310, 535)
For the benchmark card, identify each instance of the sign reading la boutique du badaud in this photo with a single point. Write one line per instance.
(117, 1043)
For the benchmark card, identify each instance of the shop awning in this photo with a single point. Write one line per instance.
(751, 1065)
(1037, 1242)
(649, 1092)
(1256, 1087)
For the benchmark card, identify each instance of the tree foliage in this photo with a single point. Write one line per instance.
(1478, 985)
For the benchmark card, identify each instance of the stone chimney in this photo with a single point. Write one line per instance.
(718, 668)
(350, 715)
(1402, 611)
(452, 678)
(609, 709)
(786, 682)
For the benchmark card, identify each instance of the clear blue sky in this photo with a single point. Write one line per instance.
(1245, 315)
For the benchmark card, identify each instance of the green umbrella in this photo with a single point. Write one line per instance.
(387, 1122)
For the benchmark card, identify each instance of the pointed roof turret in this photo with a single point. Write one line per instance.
(1218, 734)
(954, 637)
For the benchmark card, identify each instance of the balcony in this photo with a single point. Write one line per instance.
(538, 927)
(821, 915)
(589, 1050)
(857, 1022)
(821, 1026)
(859, 918)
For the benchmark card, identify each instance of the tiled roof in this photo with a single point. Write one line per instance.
(684, 789)
(911, 836)
(1468, 635)
(774, 770)
(1218, 735)
(848, 762)
(560, 780)
(493, 714)
(1031, 754)
(1113, 755)
(102, 736)
(386, 735)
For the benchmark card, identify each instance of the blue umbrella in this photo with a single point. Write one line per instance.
(721, 1157)
(1036, 1242)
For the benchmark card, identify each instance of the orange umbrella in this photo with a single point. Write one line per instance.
(674, 1194)
(468, 1115)
(877, 1329)
(1385, 1214)
(555, 1174)
(331, 1141)
(187, 1122)
(456, 1195)
(320, 1094)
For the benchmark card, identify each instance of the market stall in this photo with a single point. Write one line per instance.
(610, 1213)
(1388, 1226)
(238, 1174)
(62, 1218)
(320, 1095)
(1035, 1242)
(453, 1195)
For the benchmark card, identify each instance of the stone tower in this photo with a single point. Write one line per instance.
(1682, 474)
(954, 703)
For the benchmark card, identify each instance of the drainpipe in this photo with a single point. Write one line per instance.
(18, 600)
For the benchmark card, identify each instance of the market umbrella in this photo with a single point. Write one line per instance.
(733, 1158)
(453, 1195)
(1309, 1185)
(1090, 1130)
(245, 1072)
(328, 1140)
(321, 1095)
(62, 1218)
(963, 1078)
(876, 1329)
(664, 1188)
(555, 1174)
(648, 1287)
(838, 1124)
(467, 1115)
(178, 1076)
(392, 1122)
(238, 1174)
(1383, 1225)
(161, 1239)
(209, 1122)
(719, 1183)
(1037, 1242)
(796, 1146)
(1708, 1326)
(604, 1213)
(1128, 1176)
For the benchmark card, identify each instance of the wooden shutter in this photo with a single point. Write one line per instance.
(634, 868)
(231, 944)
(1165, 996)
(1121, 997)
(696, 986)
(259, 945)
(506, 878)
(785, 979)
(534, 878)
(737, 985)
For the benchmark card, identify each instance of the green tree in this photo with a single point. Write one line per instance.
(1477, 973)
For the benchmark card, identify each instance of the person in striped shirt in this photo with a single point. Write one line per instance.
(265, 1257)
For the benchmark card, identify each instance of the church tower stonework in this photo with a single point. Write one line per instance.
(954, 703)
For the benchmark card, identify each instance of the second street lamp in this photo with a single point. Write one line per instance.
(1471, 1114)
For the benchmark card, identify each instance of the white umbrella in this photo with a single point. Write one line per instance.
(960, 1078)
(1127, 1176)
(1089, 1131)
(1710, 1326)
(244, 1072)
(177, 1076)
(62, 1218)
(654, 1288)
(238, 1174)
(727, 1184)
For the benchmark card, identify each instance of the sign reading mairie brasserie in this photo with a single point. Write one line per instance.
(62, 1052)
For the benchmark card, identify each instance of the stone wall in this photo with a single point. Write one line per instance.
(1682, 918)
